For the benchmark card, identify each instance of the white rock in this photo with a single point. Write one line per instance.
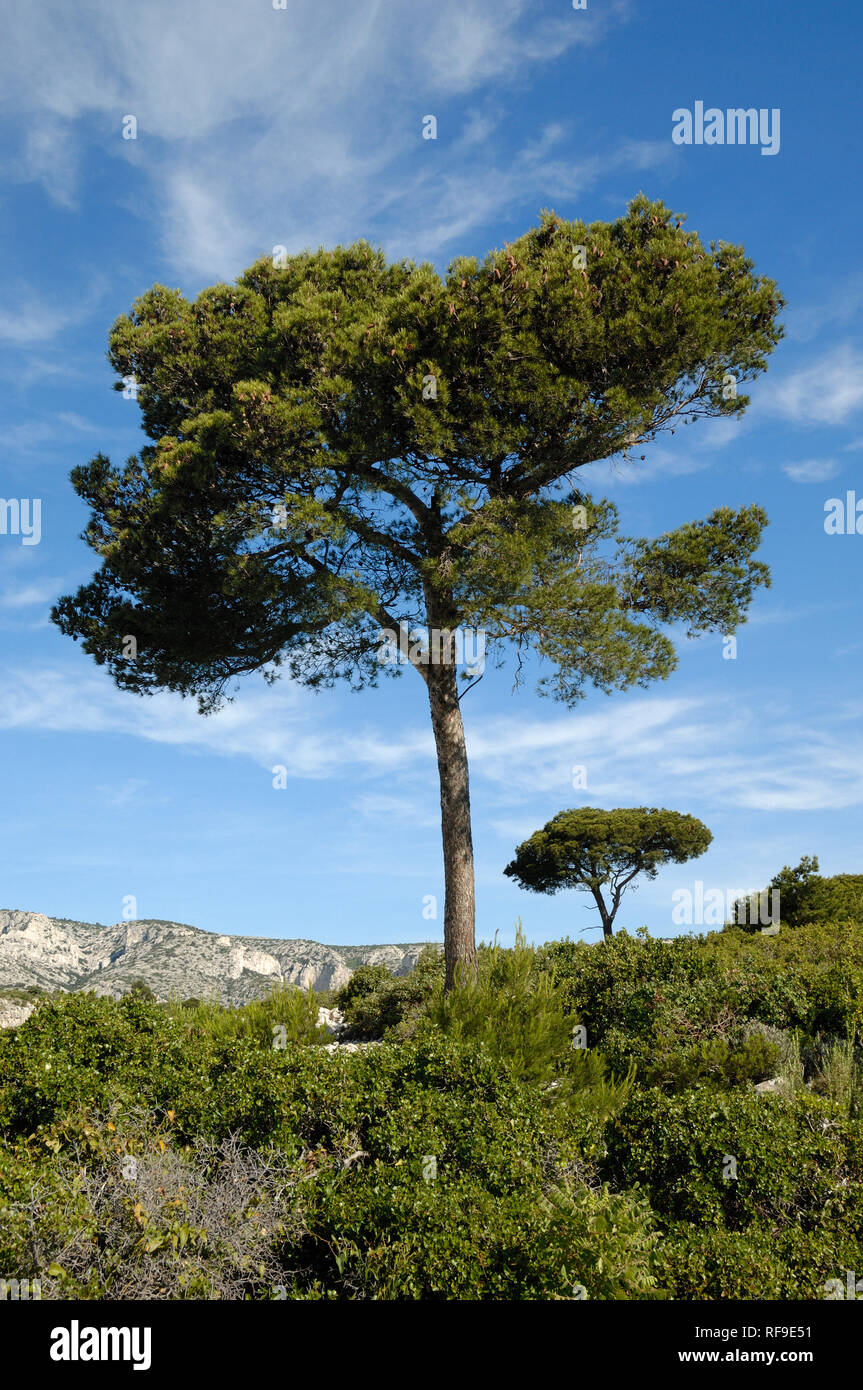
(12, 1013)
(174, 959)
(775, 1086)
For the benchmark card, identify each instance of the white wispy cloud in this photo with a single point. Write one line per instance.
(654, 749)
(662, 751)
(260, 127)
(50, 157)
(30, 320)
(403, 810)
(828, 391)
(21, 369)
(272, 727)
(811, 470)
(767, 613)
(127, 793)
(831, 305)
(40, 433)
(657, 462)
(41, 593)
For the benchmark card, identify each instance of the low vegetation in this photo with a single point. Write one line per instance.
(574, 1121)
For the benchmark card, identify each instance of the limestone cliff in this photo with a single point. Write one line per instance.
(174, 959)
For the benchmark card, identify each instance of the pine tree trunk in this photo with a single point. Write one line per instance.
(459, 940)
(607, 918)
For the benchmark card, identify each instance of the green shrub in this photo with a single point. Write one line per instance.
(395, 1236)
(831, 900)
(642, 999)
(516, 1013)
(379, 1004)
(122, 1211)
(79, 1048)
(840, 1075)
(475, 1153)
(713, 1060)
(637, 996)
(805, 897)
(286, 1014)
(345, 1196)
(501, 1003)
(366, 979)
(798, 1163)
(694, 1262)
(141, 989)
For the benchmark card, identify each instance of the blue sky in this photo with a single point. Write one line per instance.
(259, 127)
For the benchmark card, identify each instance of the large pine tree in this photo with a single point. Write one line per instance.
(341, 445)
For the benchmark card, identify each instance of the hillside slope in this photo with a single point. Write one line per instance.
(174, 959)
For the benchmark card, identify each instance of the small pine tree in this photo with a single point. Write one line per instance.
(141, 990)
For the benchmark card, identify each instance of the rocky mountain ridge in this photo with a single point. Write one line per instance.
(175, 959)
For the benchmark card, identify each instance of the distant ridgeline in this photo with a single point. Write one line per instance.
(175, 960)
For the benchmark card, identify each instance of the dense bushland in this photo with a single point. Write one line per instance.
(804, 896)
(575, 1121)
